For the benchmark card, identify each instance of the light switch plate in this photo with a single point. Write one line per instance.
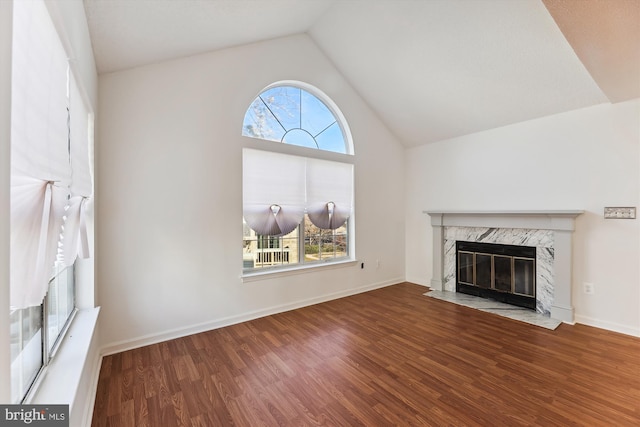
(620, 212)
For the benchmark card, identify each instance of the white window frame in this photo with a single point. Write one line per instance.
(283, 148)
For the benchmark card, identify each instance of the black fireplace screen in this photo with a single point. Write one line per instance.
(503, 272)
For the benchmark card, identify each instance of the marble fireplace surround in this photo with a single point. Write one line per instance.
(550, 231)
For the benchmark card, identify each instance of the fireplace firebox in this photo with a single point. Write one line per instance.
(505, 273)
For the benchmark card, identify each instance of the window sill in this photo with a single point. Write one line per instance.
(272, 274)
(59, 383)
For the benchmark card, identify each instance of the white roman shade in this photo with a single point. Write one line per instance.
(42, 175)
(81, 182)
(74, 239)
(37, 208)
(329, 193)
(273, 191)
(278, 189)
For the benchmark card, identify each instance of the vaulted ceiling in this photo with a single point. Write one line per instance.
(431, 69)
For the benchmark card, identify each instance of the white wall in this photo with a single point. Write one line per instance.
(586, 159)
(170, 212)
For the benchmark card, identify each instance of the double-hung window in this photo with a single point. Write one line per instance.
(297, 182)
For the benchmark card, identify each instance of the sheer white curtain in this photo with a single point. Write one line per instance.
(278, 189)
(41, 172)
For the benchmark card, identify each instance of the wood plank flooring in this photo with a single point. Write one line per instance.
(389, 357)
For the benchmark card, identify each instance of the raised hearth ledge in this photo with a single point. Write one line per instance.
(561, 222)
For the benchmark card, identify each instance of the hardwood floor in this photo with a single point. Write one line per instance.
(386, 357)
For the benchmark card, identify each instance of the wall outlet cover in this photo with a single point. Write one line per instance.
(620, 212)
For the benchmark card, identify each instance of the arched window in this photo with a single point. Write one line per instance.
(294, 116)
(297, 209)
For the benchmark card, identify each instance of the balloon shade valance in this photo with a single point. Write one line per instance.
(273, 220)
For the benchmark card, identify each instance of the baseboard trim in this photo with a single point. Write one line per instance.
(232, 320)
(610, 326)
(418, 281)
(566, 314)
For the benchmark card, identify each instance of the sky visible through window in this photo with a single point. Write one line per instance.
(293, 116)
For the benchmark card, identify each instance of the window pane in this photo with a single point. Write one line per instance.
(284, 103)
(26, 349)
(259, 122)
(323, 245)
(332, 139)
(269, 251)
(315, 115)
(60, 303)
(300, 138)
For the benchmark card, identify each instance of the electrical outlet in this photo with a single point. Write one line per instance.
(377, 263)
(589, 288)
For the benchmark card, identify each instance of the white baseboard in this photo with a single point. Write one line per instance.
(610, 326)
(232, 320)
(418, 281)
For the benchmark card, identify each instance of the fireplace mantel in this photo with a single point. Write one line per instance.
(560, 222)
(533, 219)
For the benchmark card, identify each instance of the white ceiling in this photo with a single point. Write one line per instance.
(431, 69)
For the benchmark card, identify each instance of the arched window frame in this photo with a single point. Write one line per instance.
(328, 102)
(270, 146)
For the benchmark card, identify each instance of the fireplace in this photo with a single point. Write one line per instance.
(506, 273)
(549, 231)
